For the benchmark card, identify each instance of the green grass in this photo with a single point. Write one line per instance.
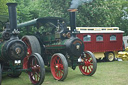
(108, 73)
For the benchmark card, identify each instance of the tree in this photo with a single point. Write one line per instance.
(105, 13)
(98, 13)
(3, 12)
(123, 23)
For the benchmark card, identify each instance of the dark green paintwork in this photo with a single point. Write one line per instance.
(1, 46)
(29, 23)
(57, 45)
(0, 35)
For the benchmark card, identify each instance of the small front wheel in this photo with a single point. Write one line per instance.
(89, 65)
(36, 65)
(59, 66)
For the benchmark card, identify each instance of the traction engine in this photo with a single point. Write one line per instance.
(58, 46)
(13, 50)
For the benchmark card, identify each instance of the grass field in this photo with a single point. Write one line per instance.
(108, 73)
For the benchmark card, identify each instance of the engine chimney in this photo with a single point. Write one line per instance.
(72, 13)
(12, 16)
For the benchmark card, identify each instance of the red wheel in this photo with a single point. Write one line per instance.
(37, 73)
(33, 46)
(89, 64)
(59, 66)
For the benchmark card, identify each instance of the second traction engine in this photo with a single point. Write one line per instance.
(58, 46)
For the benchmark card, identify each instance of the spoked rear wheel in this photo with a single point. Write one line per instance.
(37, 73)
(33, 46)
(59, 66)
(0, 74)
(90, 64)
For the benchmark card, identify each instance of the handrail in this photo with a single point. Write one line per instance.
(96, 28)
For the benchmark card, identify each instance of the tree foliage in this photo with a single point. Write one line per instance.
(3, 12)
(99, 13)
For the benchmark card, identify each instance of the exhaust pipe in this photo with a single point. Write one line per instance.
(72, 13)
(12, 16)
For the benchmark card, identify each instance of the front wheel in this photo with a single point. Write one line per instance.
(37, 69)
(59, 66)
(88, 64)
(0, 74)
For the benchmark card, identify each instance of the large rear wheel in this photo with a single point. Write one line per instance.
(37, 73)
(33, 46)
(89, 65)
(59, 66)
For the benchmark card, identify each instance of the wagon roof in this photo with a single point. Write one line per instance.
(99, 30)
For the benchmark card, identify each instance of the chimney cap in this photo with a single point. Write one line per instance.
(11, 4)
(72, 10)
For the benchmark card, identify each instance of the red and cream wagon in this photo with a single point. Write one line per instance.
(104, 42)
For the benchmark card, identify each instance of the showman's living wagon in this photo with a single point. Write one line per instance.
(104, 42)
(58, 46)
(13, 50)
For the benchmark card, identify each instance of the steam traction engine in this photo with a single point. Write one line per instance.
(58, 46)
(13, 50)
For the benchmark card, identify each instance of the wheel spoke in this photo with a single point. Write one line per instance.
(55, 63)
(57, 71)
(32, 74)
(91, 64)
(89, 70)
(34, 78)
(61, 72)
(91, 60)
(88, 58)
(91, 67)
(38, 76)
(84, 68)
(58, 60)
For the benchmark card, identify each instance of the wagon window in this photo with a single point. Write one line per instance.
(87, 38)
(99, 38)
(112, 37)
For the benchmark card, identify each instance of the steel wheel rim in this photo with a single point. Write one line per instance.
(29, 52)
(87, 68)
(34, 75)
(57, 67)
(110, 56)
